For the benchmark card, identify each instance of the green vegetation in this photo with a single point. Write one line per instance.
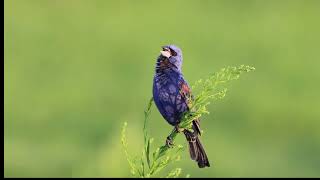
(161, 157)
(75, 70)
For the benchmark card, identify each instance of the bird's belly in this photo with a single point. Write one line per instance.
(169, 101)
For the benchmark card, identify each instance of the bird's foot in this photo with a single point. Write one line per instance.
(178, 129)
(169, 142)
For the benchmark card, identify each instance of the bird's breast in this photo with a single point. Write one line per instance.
(167, 97)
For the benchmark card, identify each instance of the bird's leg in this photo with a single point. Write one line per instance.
(169, 140)
(178, 129)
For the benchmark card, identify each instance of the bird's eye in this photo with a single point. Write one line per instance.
(173, 53)
(165, 49)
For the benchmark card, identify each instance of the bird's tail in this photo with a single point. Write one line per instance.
(196, 149)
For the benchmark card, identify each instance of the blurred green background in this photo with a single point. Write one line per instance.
(76, 70)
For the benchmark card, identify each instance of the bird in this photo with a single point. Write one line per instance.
(172, 96)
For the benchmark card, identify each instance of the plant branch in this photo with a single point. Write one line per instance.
(207, 91)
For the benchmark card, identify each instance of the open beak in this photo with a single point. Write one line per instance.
(166, 54)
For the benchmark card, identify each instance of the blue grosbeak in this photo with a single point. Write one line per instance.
(172, 95)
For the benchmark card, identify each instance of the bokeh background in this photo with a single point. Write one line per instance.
(75, 70)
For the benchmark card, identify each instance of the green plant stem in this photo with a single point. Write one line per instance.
(147, 141)
(208, 90)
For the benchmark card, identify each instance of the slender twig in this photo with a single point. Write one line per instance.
(208, 90)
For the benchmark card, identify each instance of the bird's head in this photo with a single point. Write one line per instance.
(174, 54)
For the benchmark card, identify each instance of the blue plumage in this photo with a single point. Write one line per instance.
(171, 94)
(167, 97)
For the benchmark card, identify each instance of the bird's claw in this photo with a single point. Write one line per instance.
(169, 142)
(178, 129)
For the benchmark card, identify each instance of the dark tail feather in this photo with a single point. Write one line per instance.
(196, 149)
(202, 156)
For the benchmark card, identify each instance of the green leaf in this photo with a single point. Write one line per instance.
(148, 152)
(125, 147)
(206, 91)
(174, 173)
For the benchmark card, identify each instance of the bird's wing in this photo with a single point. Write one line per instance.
(187, 97)
(185, 93)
